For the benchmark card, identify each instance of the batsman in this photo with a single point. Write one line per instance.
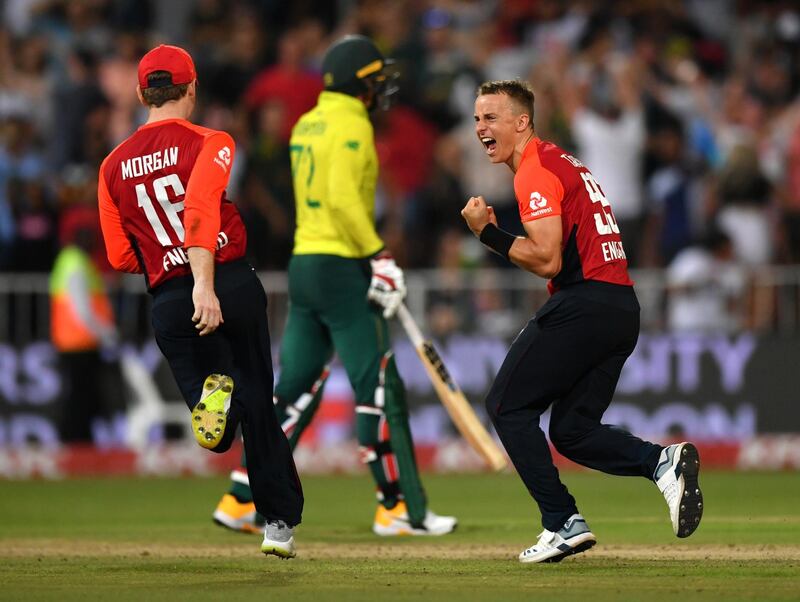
(343, 286)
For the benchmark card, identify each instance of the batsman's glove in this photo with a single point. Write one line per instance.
(388, 285)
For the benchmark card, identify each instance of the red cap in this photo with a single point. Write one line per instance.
(172, 59)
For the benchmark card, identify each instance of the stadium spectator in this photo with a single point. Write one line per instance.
(79, 99)
(443, 62)
(267, 202)
(791, 195)
(21, 196)
(289, 81)
(705, 286)
(115, 72)
(744, 196)
(36, 227)
(237, 59)
(404, 141)
(434, 209)
(24, 79)
(602, 102)
(672, 194)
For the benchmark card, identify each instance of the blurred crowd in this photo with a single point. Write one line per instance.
(685, 111)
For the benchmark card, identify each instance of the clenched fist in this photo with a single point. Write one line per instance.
(477, 214)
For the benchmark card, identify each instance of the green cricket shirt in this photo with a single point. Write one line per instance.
(335, 170)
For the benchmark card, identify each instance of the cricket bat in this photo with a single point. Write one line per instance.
(449, 393)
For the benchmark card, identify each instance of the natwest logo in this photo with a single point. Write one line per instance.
(223, 158)
(539, 205)
(537, 201)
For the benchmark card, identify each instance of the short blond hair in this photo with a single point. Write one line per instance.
(519, 91)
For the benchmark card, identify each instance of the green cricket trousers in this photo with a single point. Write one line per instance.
(329, 313)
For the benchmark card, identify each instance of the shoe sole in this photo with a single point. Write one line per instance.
(576, 550)
(412, 533)
(275, 550)
(691, 509)
(282, 554)
(382, 531)
(442, 531)
(210, 416)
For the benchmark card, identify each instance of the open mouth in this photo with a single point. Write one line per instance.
(490, 144)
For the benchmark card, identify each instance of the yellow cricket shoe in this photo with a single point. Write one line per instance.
(395, 522)
(210, 414)
(238, 516)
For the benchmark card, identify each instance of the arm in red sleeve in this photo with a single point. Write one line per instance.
(118, 247)
(201, 213)
(539, 193)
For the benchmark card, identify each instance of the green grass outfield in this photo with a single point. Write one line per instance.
(152, 539)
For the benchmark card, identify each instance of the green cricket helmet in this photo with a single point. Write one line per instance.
(353, 65)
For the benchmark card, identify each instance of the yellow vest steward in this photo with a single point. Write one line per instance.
(67, 330)
(335, 170)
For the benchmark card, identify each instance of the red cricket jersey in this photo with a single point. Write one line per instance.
(550, 181)
(163, 191)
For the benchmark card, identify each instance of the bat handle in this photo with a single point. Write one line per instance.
(410, 326)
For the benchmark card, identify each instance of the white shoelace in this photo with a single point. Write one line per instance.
(543, 543)
(671, 493)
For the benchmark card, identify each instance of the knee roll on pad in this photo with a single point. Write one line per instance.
(372, 421)
(372, 432)
(367, 418)
(375, 450)
(296, 416)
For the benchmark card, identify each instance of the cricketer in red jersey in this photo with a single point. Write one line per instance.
(571, 353)
(164, 213)
(166, 168)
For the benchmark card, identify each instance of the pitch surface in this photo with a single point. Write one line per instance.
(153, 539)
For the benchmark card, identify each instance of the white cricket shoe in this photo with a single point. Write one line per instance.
(278, 539)
(676, 477)
(396, 522)
(553, 546)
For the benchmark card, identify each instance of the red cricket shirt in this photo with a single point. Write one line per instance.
(550, 182)
(163, 191)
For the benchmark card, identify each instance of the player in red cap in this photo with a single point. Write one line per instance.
(164, 214)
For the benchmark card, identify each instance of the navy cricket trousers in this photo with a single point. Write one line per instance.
(240, 348)
(570, 356)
